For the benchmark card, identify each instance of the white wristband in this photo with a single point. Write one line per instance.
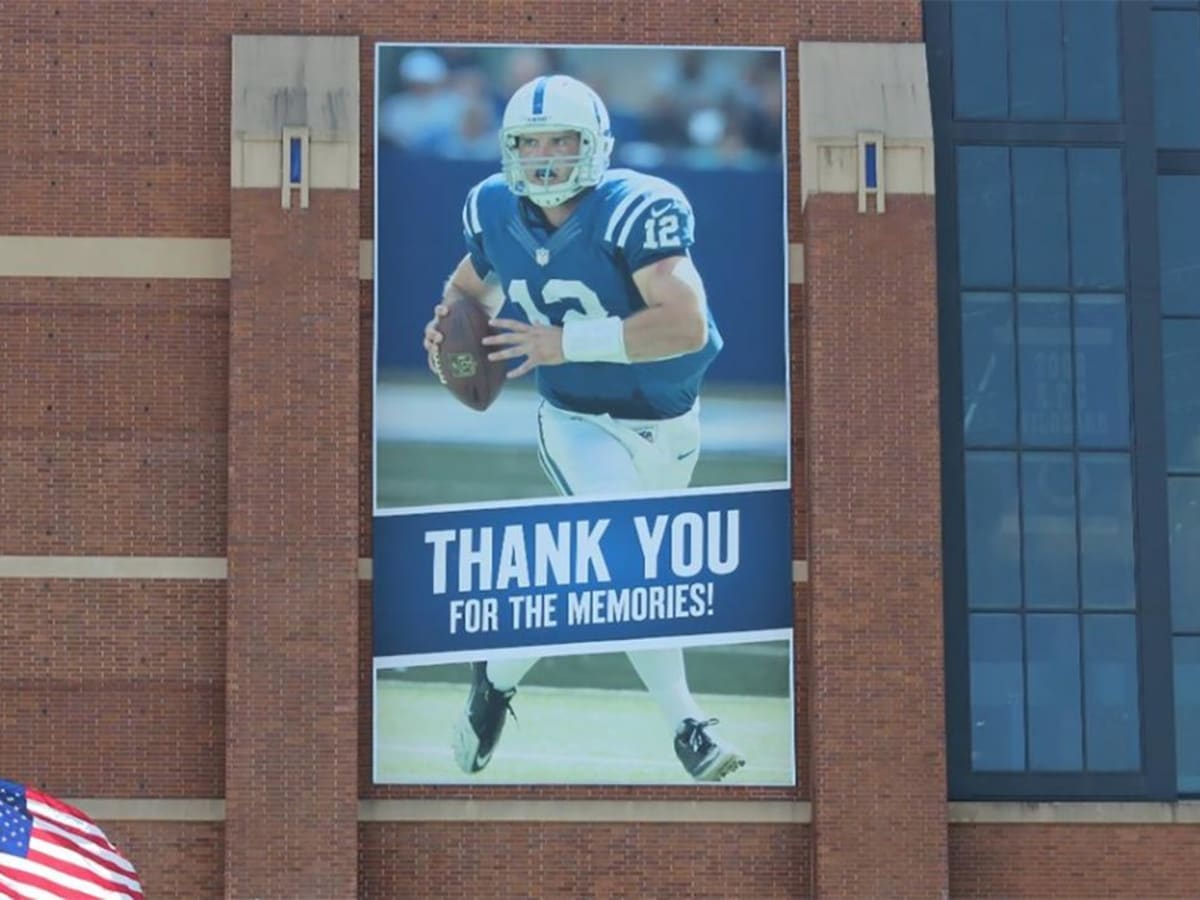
(594, 340)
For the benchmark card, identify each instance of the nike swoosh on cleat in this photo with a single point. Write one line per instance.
(724, 765)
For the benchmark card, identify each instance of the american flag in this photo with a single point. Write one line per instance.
(52, 851)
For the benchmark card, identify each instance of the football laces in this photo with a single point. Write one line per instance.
(436, 359)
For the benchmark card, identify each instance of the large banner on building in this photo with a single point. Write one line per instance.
(582, 532)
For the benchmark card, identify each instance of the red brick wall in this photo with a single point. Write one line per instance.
(116, 439)
(113, 688)
(128, 100)
(1092, 861)
(802, 681)
(173, 859)
(366, 419)
(569, 860)
(113, 438)
(878, 751)
(117, 118)
(113, 443)
(290, 763)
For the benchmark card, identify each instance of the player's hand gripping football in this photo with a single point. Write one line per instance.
(433, 337)
(541, 345)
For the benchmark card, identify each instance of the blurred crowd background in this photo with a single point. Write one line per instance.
(700, 108)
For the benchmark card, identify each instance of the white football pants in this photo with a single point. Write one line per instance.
(587, 455)
(593, 455)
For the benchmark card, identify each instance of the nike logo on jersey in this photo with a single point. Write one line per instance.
(686, 455)
(656, 211)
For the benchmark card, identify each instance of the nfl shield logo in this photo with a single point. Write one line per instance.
(463, 365)
(542, 256)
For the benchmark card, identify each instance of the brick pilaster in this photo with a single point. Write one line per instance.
(878, 752)
(292, 671)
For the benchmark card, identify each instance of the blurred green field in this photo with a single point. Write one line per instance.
(430, 450)
(755, 667)
(426, 474)
(572, 736)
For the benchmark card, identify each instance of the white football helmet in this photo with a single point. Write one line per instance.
(555, 103)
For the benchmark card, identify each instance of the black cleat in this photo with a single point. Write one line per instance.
(482, 720)
(705, 758)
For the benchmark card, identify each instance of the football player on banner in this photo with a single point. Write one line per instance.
(606, 308)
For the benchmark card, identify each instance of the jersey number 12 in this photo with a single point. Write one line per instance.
(662, 232)
(556, 291)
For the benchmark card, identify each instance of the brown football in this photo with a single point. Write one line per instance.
(462, 357)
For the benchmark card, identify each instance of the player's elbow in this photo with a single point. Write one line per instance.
(693, 331)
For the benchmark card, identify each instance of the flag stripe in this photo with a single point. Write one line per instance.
(35, 884)
(25, 889)
(39, 847)
(89, 854)
(78, 886)
(49, 850)
(97, 852)
(66, 816)
(69, 844)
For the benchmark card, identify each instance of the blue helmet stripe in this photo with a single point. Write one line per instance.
(539, 95)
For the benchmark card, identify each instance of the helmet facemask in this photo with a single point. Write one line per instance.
(551, 105)
(526, 174)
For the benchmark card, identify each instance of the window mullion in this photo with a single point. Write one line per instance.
(1148, 408)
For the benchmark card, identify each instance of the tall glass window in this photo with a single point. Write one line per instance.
(1179, 252)
(1068, 171)
(1051, 60)
(1176, 36)
(1046, 440)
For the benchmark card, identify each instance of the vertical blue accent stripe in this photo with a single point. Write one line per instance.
(870, 165)
(539, 95)
(549, 466)
(552, 473)
(294, 150)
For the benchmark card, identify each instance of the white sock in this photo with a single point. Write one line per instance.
(663, 674)
(506, 674)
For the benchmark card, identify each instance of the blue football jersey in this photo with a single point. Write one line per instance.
(584, 269)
